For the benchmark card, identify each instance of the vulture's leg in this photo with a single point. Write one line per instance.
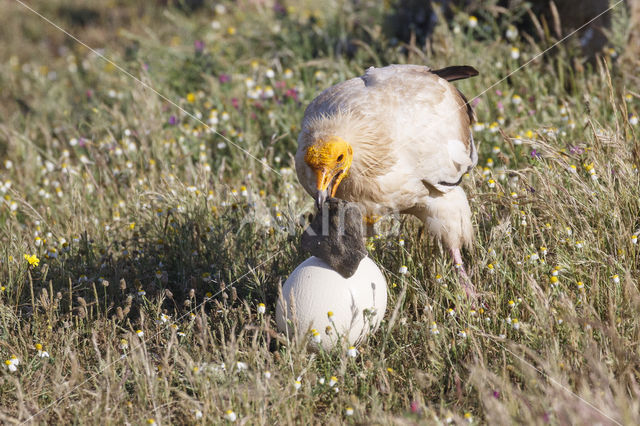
(370, 225)
(447, 216)
(469, 288)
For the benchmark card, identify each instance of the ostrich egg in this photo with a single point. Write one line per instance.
(320, 304)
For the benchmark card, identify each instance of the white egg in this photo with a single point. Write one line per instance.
(314, 289)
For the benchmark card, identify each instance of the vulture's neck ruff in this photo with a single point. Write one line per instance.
(330, 160)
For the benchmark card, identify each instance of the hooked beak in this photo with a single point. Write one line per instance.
(323, 180)
(321, 197)
(327, 184)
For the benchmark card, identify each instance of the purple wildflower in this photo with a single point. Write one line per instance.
(279, 9)
(576, 150)
(292, 93)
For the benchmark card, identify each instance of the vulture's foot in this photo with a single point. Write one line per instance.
(468, 286)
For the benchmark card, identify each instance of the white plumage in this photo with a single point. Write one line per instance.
(395, 139)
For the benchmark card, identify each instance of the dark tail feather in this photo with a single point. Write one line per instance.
(456, 72)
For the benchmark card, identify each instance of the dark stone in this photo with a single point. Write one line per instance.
(336, 236)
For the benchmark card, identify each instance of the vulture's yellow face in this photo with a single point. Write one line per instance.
(330, 160)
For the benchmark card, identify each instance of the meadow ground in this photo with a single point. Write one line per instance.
(138, 245)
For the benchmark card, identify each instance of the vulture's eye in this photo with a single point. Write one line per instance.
(340, 157)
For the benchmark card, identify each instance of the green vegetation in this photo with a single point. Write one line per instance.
(137, 244)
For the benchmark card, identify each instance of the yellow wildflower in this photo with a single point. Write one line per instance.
(32, 259)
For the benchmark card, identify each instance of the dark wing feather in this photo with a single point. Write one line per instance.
(472, 116)
(456, 72)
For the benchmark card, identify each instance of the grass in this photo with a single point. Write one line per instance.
(156, 240)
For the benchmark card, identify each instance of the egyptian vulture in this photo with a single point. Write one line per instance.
(396, 139)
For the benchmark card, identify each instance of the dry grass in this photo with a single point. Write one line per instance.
(138, 215)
